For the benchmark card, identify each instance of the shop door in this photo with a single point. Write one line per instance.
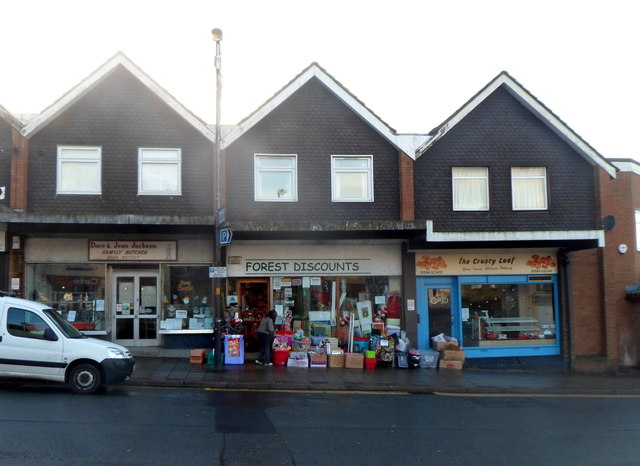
(438, 311)
(136, 298)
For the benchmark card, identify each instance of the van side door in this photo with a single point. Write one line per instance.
(29, 346)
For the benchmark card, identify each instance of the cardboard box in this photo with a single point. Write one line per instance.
(452, 365)
(317, 360)
(335, 360)
(197, 356)
(452, 354)
(354, 360)
(442, 345)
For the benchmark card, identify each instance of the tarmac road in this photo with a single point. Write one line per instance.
(129, 425)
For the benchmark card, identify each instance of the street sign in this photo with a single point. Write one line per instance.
(225, 236)
(217, 272)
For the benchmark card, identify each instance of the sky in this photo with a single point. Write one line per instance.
(412, 62)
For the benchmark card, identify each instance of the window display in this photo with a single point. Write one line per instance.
(323, 306)
(186, 298)
(76, 291)
(508, 314)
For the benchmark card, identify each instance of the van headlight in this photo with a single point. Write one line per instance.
(115, 353)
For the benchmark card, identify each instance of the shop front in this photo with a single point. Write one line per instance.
(317, 288)
(140, 292)
(496, 304)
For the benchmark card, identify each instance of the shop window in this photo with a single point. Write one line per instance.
(159, 171)
(186, 298)
(351, 178)
(76, 291)
(508, 314)
(529, 188)
(275, 178)
(470, 188)
(79, 170)
(324, 306)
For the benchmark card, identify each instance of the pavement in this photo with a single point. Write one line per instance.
(179, 372)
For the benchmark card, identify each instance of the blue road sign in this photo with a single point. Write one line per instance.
(225, 235)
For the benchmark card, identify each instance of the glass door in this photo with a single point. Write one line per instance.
(136, 298)
(438, 309)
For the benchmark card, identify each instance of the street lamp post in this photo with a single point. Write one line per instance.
(217, 37)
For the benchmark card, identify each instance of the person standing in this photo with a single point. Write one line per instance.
(265, 332)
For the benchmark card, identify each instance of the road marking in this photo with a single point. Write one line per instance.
(534, 395)
(332, 392)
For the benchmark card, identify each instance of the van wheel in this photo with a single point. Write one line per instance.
(85, 378)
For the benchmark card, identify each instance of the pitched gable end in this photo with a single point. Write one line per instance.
(404, 142)
(534, 106)
(85, 86)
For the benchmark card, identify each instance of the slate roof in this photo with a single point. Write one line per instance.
(408, 143)
(528, 100)
(119, 59)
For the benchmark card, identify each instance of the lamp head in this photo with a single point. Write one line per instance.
(217, 34)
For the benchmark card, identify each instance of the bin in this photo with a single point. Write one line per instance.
(280, 357)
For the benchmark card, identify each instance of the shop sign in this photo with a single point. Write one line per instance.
(516, 263)
(135, 251)
(314, 260)
(305, 266)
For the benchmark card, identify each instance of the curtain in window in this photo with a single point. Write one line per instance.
(160, 177)
(470, 188)
(79, 176)
(529, 188)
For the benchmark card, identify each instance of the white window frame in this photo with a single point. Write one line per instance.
(457, 178)
(150, 160)
(335, 195)
(258, 170)
(93, 156)
(529, 177)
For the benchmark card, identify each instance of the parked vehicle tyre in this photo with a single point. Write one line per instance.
(85, 379)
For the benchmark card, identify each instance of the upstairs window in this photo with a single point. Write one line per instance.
(470, 188)
(529, 188)
(352, 178)
(159, 172)
(275, 178)
(79, 170)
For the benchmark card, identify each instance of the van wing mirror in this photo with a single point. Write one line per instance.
(50, 334)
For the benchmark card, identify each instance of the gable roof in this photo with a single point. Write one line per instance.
(408, 143)
(9, 118)
(85, 86)
(532, 104)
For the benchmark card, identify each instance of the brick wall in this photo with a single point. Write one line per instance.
(407, 199)
(19, 172)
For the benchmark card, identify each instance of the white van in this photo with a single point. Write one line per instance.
(37, 343)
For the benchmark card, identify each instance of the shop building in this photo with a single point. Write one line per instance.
(111, 219)
(319, 198)
(507, 193)
(495, 228)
